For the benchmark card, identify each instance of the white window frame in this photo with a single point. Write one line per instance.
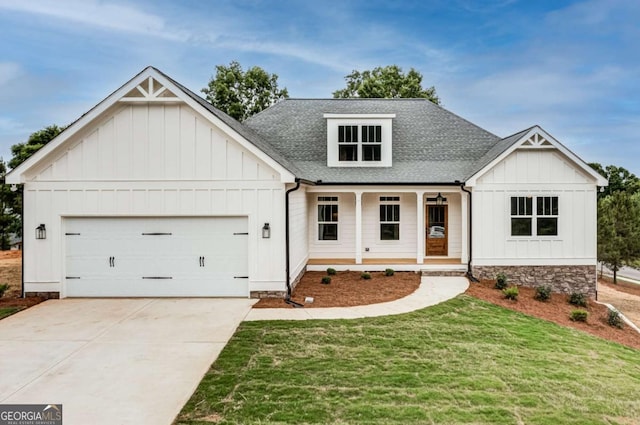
(389, 201)
(334, 121)
(327, 200)
(534, 216)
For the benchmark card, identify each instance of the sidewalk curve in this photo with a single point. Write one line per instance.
(432, 290)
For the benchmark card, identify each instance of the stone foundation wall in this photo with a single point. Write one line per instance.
(563, 279)
(45, 295)
(278, 294)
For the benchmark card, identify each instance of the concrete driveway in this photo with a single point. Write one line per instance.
(114, 361)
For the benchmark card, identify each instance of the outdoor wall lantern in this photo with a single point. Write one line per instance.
(41, 232)
(266, 231)
(439, 199)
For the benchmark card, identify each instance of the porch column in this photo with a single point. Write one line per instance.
(464, 226)
(420, 231)
(358, 195)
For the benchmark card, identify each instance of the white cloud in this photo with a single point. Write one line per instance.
(110, 16)
(8, 72)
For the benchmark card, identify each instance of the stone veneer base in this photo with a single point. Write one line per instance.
(45, 295)
(563, 279)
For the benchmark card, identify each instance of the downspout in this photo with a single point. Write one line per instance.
(470, 275)
(22, 237)
(288, 299)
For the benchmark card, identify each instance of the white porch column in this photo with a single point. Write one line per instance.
(420, 231)
(358, 195)
(464, 206)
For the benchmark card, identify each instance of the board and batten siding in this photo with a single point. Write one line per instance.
(535, 172)
(403, 248)
(298, 231)
(157, 161)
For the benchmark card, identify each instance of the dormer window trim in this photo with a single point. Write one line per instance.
(359, 140)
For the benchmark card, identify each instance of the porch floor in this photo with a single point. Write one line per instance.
(383, 261)
(454, 265)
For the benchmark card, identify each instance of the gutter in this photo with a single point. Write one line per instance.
(288, 299)
(470, 275)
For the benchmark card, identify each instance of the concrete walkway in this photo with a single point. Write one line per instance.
(432, 290)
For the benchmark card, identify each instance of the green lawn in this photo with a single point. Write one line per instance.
(461, 362)
(8, 311)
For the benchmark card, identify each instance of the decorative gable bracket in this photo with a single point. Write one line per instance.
(536, 141)
(150, 90)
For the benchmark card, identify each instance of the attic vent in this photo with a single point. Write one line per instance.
(537, 141)
(150, 90)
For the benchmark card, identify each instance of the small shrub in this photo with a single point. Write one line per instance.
(331, 272)
(326, 280)
(543, 293)
(501, 281)
(3, 289)
(365, 275)
(511, 293)
(579, 315)
(578, 299)
(389, 272)
(614, 319)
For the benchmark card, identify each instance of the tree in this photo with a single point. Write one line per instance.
(9, 220)
(242, 94)
(618, 230)
(388, 82)
(620, 180)
(22, 151)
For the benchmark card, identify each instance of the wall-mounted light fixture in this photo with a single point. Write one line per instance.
(266, 231)
(440, 199)
(41, 232)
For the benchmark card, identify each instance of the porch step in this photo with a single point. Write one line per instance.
(445, 272)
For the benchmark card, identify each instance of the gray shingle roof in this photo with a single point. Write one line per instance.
(430, 144)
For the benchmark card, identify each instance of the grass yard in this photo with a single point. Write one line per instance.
(8, 311)
(463, 361)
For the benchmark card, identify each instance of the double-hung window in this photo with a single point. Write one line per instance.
(389, 218)
(525, 221)
(328, 218)
(360, 141)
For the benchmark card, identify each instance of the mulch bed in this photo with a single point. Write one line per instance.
(557, 310)
(348, 289)
(11, 273)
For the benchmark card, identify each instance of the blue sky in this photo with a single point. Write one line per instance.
(572, 67)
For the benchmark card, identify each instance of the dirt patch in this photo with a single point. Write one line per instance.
(628, 303)
(348, 289)
(11, 273)
(629, 288)
(557, 310)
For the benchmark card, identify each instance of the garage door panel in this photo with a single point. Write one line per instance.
(156, 257)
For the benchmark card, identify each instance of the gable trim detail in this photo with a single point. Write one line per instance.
(537, 138)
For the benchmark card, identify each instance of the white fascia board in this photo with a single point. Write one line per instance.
(600, 181)
(16, 176)
(359, 116)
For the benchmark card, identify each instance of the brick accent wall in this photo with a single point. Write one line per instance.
(564, 279)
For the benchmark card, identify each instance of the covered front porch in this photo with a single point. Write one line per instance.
(377, 227)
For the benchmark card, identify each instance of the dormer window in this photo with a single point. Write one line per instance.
(357, 140)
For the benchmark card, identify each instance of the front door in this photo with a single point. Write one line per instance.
(437, 230)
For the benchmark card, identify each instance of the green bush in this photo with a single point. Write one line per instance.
(578, 299)
(326, 280)
(365, 275)
(331, 272)
(3, 289)
(614, 319)
(389, 272)
(511, 293)
(543, 293)
(501, 281)
(579, 315)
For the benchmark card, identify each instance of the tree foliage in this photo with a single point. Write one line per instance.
(242, 94)
(22, 151)
(619, 230)
(386, 82)
(620, 180)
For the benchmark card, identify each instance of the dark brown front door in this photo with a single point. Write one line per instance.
(437, 230)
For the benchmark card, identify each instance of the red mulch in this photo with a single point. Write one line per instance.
(557, 310)
(348, 289)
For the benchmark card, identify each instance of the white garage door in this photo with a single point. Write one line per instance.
(156, 257)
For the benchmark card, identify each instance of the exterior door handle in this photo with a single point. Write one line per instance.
(201, 259)
(112, 261)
